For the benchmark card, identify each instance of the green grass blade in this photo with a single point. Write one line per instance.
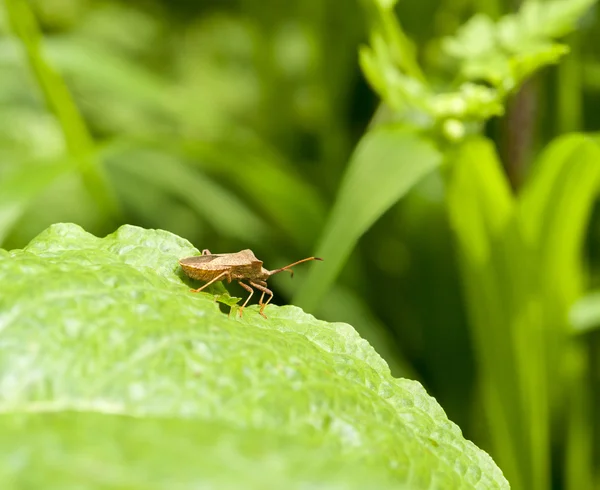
(555, 209)
(272, 185)
(215, 204)
(554, 212)
(94, 67)
(481, 210)
(61, 104)
(387, 163)
(522, 271)
(21, 187)
(254, 170)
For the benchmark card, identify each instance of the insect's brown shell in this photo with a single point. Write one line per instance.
(206, 267)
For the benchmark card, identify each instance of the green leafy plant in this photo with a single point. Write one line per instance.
(114, 375)
(520, 257)
(523, 271)
(232, 125)
(391, 68)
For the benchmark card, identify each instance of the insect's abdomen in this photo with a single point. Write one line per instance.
(200, 274)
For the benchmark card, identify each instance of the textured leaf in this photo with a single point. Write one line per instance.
(387, 163)
(113, 375)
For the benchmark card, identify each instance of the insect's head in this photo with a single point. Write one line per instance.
(289, 267)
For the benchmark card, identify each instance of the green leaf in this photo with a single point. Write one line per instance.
(482, 211)
(555, 207)
(114, 375)
(479, 213)
(58, 99)
(272, 184)
(98, 69)
(473, 40)
(507, 52)
(387, 163)
(249, 166)
(554, 211)
(502, 54)
(541, 20)
(215, 204)
(18, 190)
(191, 455)
(522, 269)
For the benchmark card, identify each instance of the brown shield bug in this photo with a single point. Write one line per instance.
(240, 266)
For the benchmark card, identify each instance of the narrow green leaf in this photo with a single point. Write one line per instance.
(59, 101)
(253, 169)
(20, 188)
(387, 163)
(216, 205)
(546, 19)
(521, 278)
(555, 210)
(481, 210)
(162, 388)
(272, 185)
(479, 213)
(385, 24)
(97, 68)
(555, 207)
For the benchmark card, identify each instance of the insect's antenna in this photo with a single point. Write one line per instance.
(288, 267)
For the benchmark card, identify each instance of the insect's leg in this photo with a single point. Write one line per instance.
(206, 251)
(262, 286)
(250, 290)
(215, 279)
(262, 283)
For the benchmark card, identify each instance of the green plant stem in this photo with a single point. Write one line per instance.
(384, 19)
(569, 91)
(579, 465)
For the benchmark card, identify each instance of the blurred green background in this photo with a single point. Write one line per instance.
(231, 123)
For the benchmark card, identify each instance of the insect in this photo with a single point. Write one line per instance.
(240, 266)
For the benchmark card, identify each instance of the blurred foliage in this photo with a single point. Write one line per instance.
(256, 124)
